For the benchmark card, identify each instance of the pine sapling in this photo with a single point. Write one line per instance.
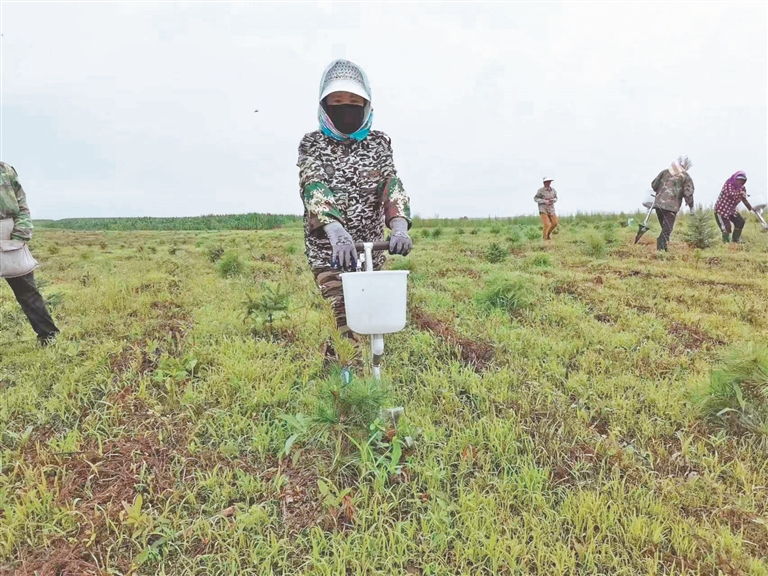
(700, 231)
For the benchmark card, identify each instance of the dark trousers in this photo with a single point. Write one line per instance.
(725, 223)
(33, 305)
(667, 222)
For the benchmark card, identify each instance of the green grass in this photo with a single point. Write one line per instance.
(737, 393)
(531, 220)
(252, 221)
(563, 409)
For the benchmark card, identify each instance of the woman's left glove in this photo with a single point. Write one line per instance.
(399, 241)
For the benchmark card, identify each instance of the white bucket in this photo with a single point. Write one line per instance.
(649, 198)
(375, 302)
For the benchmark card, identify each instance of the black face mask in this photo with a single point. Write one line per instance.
(347, 118)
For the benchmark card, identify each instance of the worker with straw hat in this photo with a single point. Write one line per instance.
(546, 198)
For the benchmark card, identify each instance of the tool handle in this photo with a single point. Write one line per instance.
(380, 246)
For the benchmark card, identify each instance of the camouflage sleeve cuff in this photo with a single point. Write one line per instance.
(395, 200)
(22, 229)
(320, 205)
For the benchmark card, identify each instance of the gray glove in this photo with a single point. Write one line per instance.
(399, 241)
(344, 255)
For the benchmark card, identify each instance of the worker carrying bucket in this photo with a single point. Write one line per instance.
(349, 187)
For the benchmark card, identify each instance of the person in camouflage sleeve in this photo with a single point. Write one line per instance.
(348, 184)
(672, 186)
(13, 205)
(546, 198)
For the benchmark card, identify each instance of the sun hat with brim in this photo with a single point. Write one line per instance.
(548, 180)
(345, 76)
(344, 86)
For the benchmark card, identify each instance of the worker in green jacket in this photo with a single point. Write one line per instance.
(13, 205)
(672, 186)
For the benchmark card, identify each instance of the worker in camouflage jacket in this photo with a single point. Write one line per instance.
(672, 186)
(348, 183)
(13, 205)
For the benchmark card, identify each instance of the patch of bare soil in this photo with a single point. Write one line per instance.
(170, 321)
(713, 261)
(301, 505)
(99, 481)
(277, 334)
(753, 529)
(299, 499)
(476, 354)
(571, 288)
(750, 527)
(579, 454)
(687, 338)
(643, 308)
(135, 357)
(65, 560)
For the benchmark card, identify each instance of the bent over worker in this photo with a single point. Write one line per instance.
(672, 186)
(732, 194)
(349, 184)
(546, 198)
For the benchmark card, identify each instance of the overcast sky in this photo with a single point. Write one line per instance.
(147, 108)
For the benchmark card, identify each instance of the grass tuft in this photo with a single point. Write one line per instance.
(230, 265)
(510, 292)
(736, 396)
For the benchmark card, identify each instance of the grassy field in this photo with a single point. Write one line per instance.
(561, 409)
(255, 221)
(251, 221)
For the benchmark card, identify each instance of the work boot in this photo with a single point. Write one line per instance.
(329, 354)
(737, 235)
(726, 238)
(661, 244)
(46, 341)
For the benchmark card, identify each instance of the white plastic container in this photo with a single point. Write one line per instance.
(650, 196)
(375, 302)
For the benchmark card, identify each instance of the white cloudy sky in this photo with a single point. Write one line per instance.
(147, 108)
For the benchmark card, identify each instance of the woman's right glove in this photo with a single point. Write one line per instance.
(399, 241)
(344, 255)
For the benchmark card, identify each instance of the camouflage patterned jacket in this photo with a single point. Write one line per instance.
(546, 198)
(13, 203)
(353, 183)
(672, 190)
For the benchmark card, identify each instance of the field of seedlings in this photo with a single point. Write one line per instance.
(588, 406)
(251, 221)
